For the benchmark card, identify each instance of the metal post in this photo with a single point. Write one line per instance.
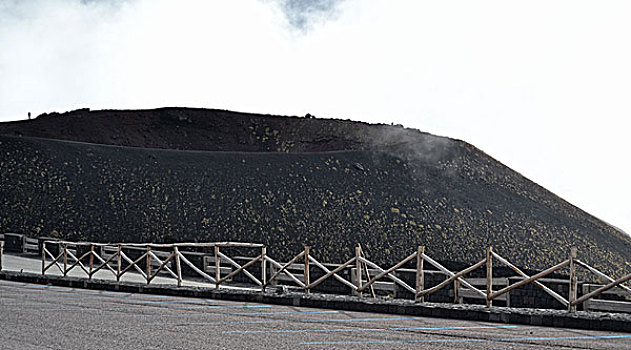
(420, 276)
(573, 281)
(489, 276)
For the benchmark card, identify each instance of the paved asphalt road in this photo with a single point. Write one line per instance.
(47, 317)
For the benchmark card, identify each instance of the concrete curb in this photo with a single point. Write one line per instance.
(535, 317)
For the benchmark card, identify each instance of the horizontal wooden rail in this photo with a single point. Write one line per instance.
(30, 245)
(169, 245)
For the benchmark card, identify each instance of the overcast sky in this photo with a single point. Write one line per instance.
(542, 86)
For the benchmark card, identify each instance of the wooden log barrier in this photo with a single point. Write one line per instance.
(329, 273)
(554, 294)
(573, 281)
(283, 269)
(263, 268)
(530, 279)
(358, 270)
(178, 266)
(489, 276)
(420, 275)
(306, 270)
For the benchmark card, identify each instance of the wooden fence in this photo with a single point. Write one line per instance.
(365, 277)
(572, 262)
(616, 301)
(102, 256)
(30, 245)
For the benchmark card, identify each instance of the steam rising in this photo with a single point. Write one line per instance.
(303, 14)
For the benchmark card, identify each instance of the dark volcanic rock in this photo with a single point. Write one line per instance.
(286, 182)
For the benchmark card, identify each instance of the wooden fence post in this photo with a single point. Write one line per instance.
(217, 267)
(119, 263)
(358, 269)
(1, 251)
(306, 270)
(420, 275)
(65, 246)
(263, 268)
(43, 257)
(365, 270)
(489, 276)
(573, 281)
(91, 261)
(178, 266)
(148, 265)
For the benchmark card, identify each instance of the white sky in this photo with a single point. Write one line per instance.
(543, 86)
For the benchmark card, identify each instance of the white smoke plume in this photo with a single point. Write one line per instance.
(305, 14)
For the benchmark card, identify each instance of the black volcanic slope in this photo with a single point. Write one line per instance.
(286, 182)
